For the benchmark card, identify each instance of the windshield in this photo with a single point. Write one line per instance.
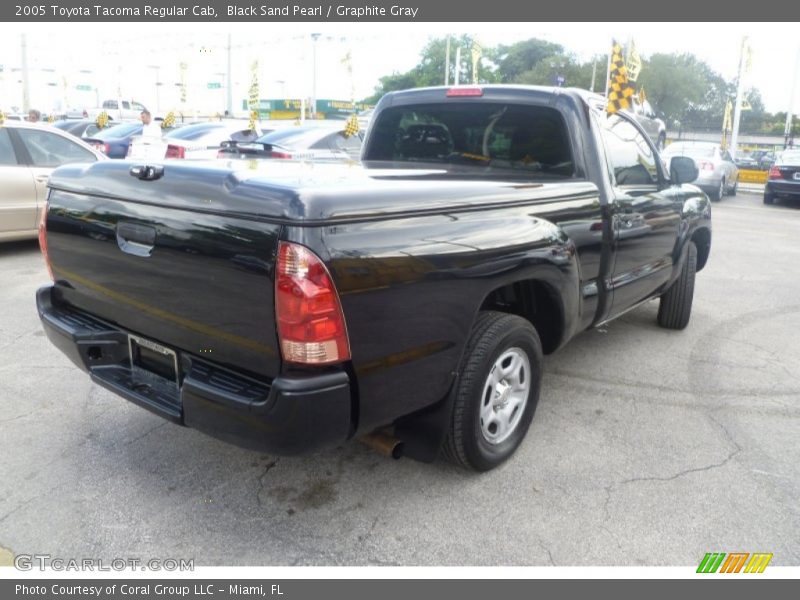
(193, 132)
(693, 151)
(118, 131)
(482, 137)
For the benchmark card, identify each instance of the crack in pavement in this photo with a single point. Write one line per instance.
(267, 468)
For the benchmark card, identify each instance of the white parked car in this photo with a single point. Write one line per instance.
(717, 173)
(199, 140)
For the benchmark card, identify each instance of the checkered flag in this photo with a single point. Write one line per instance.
(620, 90)
(351, 127)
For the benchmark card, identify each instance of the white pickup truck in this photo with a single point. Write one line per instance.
(117, 110)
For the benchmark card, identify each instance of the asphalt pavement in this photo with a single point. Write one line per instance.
(649, 447)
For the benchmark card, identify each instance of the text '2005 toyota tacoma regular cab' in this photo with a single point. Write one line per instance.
(291, 306)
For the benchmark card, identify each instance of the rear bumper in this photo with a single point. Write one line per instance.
(783, 188)
(289, 415)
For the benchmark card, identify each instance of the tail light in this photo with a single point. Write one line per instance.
(278, 154)
(775, 173)
(105, 149)
(706, 166)
(175, 151)
(311, 326)
(43, 239)
(85, 114)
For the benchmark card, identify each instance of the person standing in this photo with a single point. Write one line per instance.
(150, 129)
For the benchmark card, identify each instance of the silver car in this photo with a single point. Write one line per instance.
(718, 174)
(28, 154)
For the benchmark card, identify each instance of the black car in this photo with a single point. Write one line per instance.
(784, 177)
(80, 128)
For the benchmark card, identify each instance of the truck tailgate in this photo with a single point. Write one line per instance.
(191, 274)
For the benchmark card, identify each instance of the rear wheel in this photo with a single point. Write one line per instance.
(734, 188)
(769, 198)
(719, 192)
(676, 303)
(496, 392)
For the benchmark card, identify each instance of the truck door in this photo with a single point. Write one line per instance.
(645, 213)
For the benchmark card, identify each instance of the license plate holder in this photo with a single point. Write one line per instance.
(153, 365)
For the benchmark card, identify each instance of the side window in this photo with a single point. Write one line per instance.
(126, 105)
(7, 154)
(726, 156)
(632, 160)
(51, 150)
(137, 106)
(110, 104)
(91, 130)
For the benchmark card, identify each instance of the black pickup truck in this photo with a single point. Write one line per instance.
(293, 306)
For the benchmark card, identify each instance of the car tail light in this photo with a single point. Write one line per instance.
(775, 173)
(43, 239)
(85, 114)
(105, 149)
(706, 166)
(277, 154)
(175, 151)
(311, 326)
(460, 92)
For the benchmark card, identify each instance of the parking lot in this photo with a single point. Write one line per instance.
(649, 447)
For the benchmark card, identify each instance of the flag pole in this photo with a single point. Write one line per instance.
(787, 130)
(608, 71)
(737, 112)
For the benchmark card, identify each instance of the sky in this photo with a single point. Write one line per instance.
(132, 57)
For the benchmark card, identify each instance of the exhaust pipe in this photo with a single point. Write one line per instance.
(384, 443)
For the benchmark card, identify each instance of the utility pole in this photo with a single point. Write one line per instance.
(737, 112)
(229, 81)
(26, 98)
(314, 37)
(447, 63)
(594, 73)
(787, 130)
(458, 66)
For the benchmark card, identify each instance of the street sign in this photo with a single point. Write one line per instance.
(83, 88)
(214, 85)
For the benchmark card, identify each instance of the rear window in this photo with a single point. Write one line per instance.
(118, 131)
(693, 151)
(528, 139)
(193, 132)
(296, 138)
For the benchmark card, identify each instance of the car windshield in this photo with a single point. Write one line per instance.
(193, 132)
(693, 151)
(296, 138)
(481, 137)
(118, 131)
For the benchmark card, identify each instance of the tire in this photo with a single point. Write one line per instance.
(735, 188)
(497, 341)
(769, 198)
(676, 303)
(718, 193)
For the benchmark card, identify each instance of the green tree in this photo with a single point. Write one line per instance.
(430, 69)
(522, 57)
(549, 69)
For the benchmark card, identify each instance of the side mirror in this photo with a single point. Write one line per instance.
(682, 169)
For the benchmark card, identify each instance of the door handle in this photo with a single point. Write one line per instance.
(138, 240)
(42, 178)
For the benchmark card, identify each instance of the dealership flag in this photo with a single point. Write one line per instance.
(633, 62)
(620, 89)
(351, 128)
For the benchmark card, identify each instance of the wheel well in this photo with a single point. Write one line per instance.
(535, 301)
(702, 239)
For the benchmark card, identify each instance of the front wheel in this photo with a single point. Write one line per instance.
(676, 303)
(496, 391)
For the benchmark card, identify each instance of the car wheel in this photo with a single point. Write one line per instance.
(496, 391)
(769, 198)
(720, 191)
(675, 307)
(735, 188)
